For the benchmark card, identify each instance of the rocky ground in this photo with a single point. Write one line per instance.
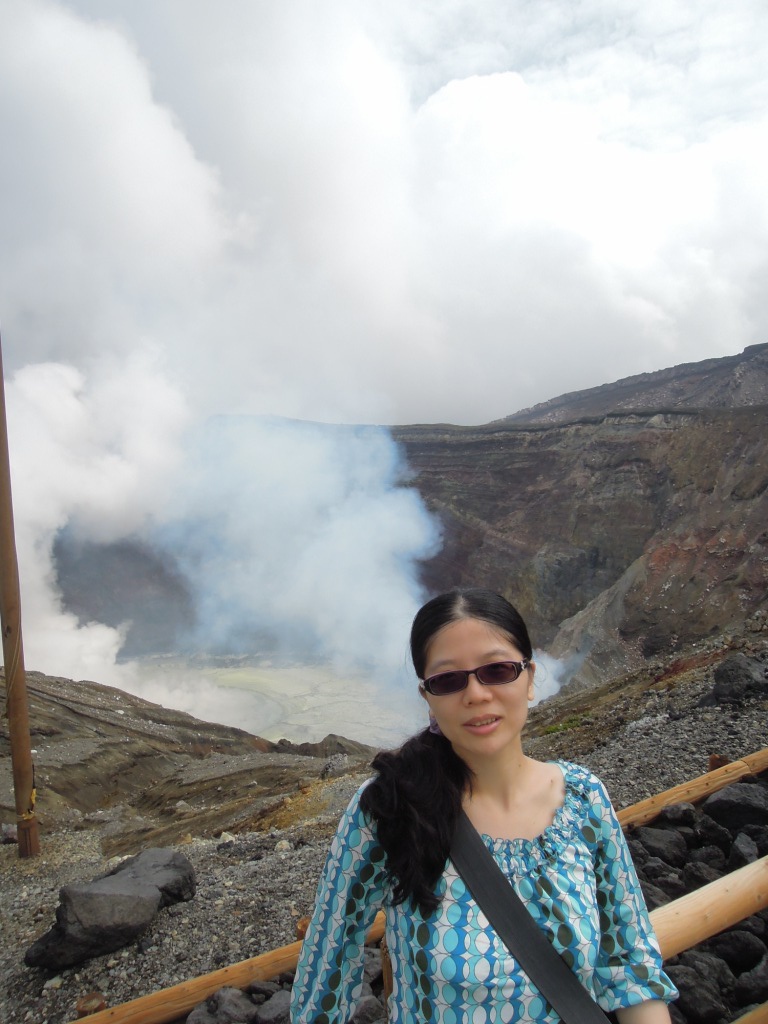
(641, 735)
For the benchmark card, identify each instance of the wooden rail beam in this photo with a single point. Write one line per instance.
(757, 1016)
(169, 1004)
(711, 909)
(695, 790)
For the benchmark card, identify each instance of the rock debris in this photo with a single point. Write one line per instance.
(253, 887)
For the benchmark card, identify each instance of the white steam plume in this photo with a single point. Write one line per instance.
(300, 531)
(552, 674)
(96, 454)
(296, 538)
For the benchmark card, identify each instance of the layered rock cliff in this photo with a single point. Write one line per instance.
(619, 535)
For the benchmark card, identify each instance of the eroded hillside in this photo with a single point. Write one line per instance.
(618, 538)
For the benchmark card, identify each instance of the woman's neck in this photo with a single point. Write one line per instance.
(516, 801)
(503, 778)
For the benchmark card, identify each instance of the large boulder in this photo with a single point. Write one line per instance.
(98, 917)
(738, 805)
(664, 843)
(752, 986)
(738, 677)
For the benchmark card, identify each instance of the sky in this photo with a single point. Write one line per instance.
(349, 213)
(429, 210)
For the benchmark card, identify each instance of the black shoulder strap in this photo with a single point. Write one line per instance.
(520, 933)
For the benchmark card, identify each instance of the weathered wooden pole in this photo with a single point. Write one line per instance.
(16, 705)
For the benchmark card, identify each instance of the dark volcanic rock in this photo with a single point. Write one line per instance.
(699, 1001)
(744, 851)
(654, 896)
(696, 874)
(713, 856)
(727, 974)
(369, 1011)
(738, 805)
(741, 950)
(752, 986)
(664, 843)
(710, 832)
(738, 677)
(106, 914)
(227, 1006)
(276, 1009)
(759, 835)
(677, 815)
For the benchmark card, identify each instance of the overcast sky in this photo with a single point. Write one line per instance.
(349, 211)
(422, 210)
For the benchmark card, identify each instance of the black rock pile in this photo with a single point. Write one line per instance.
(686, 847)
(267, 1002)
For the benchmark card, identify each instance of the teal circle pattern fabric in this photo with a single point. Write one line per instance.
(576, 879)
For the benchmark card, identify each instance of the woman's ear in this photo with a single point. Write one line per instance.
(531, 680)
(422, 691)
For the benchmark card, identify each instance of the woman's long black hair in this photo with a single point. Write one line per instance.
(416, 796)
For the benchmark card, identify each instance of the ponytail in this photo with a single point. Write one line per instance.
(415, 802)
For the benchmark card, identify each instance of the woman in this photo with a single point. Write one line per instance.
(550, 827)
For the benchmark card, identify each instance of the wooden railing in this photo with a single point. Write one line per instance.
(757, 1016)
(678, 925)
(697, 789)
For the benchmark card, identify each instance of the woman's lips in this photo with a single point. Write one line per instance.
(483, 724)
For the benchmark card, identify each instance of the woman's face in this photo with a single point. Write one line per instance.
(480, 720)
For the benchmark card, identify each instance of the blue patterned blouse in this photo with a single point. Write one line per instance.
(577, 879)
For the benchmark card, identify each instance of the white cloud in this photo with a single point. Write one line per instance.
(355, 212)
(329, 212)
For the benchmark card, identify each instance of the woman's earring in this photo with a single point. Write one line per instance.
(434, 728)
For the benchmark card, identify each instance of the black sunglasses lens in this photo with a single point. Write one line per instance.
(495, 674)
(446, 682)
(499, 672)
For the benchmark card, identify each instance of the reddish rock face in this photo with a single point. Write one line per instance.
(619, 536)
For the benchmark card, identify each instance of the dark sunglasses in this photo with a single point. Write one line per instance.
(495, 674)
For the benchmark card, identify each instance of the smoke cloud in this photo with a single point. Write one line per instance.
(299, 536)
(98, 457)
(296, 542)
(552, 673)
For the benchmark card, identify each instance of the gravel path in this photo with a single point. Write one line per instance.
(252, 890)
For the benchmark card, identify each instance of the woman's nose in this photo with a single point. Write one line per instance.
(475, 690)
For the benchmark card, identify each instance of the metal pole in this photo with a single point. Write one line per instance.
(16, 704)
